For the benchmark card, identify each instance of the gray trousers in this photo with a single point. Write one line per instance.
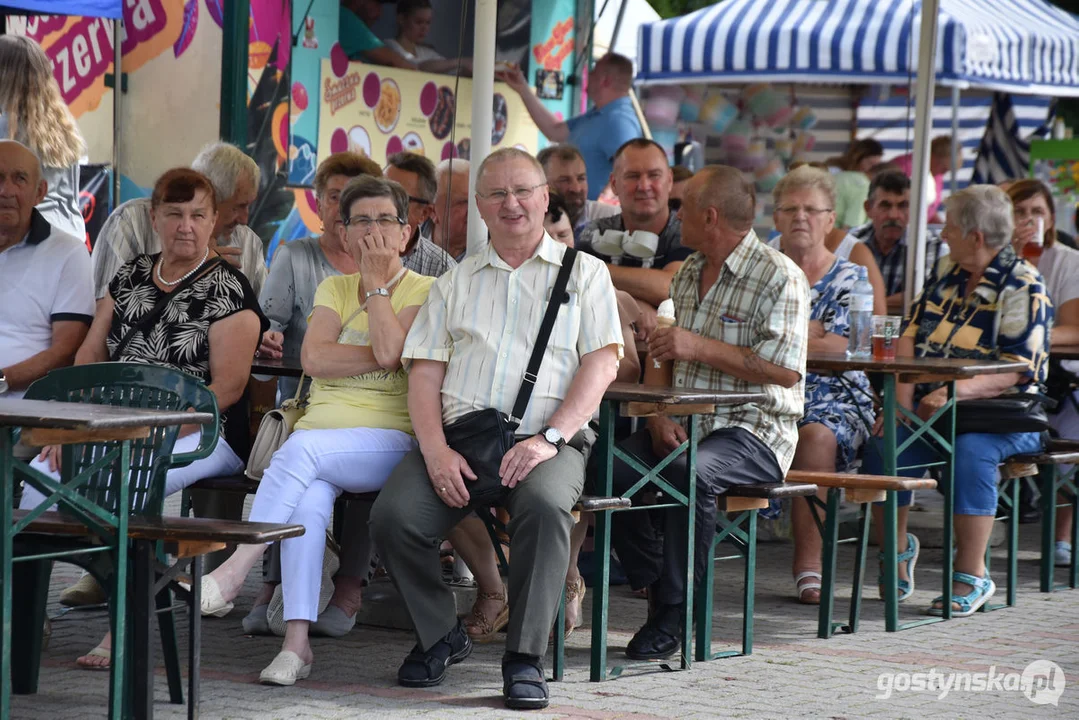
(409, 521)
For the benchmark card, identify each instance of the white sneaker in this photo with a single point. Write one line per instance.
(1062, 556)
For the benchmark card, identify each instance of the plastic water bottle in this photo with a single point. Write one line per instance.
(860, 343)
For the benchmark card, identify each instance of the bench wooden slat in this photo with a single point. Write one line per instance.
(862, 482)
(1058, 452)
(591, 503)
(769, 491)
(173, 529)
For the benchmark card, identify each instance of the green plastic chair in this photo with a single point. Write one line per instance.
(130, 385)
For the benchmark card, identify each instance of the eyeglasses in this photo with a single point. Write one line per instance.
(418, 201)
(384, 222)
(521, 193)
(797, 209)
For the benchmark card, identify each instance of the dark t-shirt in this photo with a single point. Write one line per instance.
(180, 337)
(668, 250)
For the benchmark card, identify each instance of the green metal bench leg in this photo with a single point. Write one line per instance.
(703, 607)
(1047, 482)
(750, 584)
(600, 596)
(28, 605)
(1013, 544)
(1073, 572)
(118, 606)
(558, 663)
(691, 541)
(859, 570)
(830, 539)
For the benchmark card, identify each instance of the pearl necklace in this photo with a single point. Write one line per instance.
(185, 276)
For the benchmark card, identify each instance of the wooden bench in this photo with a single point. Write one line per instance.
(1043, 465)
(188, 539)
(736, 523)
(863, 490)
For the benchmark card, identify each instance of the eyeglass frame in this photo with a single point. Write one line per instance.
(366, 221)
(813, 212)
(530, 192)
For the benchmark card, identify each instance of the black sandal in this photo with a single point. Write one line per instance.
(519, 674)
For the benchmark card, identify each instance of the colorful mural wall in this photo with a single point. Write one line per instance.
(172, 59)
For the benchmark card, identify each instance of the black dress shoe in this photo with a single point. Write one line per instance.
(523, 684)
(426, 669)
(660, 638)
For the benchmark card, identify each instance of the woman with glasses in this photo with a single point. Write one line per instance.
(300, 265)
(356, 427)
(838, 411)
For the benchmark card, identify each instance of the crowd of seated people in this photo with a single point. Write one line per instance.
(401, 332)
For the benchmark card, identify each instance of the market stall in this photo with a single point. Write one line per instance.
(736, 75)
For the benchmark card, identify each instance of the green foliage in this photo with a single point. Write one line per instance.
(677, 8)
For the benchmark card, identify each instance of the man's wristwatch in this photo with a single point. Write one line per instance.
(377, 291)
(3, 384)
(552, 436)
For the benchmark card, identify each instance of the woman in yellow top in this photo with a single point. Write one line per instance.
(356, 427)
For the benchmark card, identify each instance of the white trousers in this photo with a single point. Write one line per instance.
(222, 461)
(305, 477)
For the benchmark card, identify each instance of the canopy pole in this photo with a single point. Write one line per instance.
(617, 26)
(117, 91)
(955, 139)
(483, 97)
(923, 127)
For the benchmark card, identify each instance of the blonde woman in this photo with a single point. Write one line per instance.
(33, 112)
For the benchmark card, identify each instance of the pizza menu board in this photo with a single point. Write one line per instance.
(381, 110)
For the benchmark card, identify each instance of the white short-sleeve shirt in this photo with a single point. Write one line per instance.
(44, 279)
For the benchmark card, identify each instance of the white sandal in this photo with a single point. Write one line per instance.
(213, 604)
(285, 670)
(814, 583)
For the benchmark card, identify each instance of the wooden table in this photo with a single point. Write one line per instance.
(62, 423)
(643, 401)
(1064, 352)
(909, 370)
(282, 367)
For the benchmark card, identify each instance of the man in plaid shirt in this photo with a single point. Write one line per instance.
(742, 314)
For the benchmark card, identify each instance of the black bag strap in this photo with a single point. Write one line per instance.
(558, 297)
(155, 312)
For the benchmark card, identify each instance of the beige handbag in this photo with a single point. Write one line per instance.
(277, 424)
(274, 430)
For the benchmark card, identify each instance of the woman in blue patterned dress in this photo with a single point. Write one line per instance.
(838, 410)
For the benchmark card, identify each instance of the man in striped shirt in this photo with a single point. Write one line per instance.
(741, 324)
(468, 350)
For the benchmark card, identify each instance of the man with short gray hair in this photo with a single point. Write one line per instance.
(451, 207)
(461, 361)
(417, 176)
(44, 278)
(128, 231)
(742, 317)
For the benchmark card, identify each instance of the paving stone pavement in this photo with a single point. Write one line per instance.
(791, 672)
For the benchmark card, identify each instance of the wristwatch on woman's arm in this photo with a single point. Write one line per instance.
(3, 383)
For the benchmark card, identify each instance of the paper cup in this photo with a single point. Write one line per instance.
(609, 243)
(641, 244)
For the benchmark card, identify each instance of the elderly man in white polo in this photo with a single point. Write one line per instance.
(469, 348)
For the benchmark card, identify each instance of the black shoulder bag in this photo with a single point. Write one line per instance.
(155, 312)
(483, 437)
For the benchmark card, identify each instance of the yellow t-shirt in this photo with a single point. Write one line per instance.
(376, 399)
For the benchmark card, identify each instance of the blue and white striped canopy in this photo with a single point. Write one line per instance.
(1024, 46)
